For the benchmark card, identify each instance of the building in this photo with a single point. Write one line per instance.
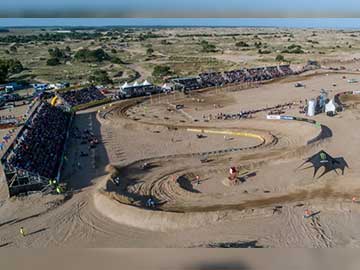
(13, 86)
(38, 87)
(60, 85)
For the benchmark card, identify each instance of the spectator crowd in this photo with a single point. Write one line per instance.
(82, 96)
(234, 76)
(246, 114)
(39, 146)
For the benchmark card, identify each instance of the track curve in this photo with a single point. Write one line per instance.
(165, 190)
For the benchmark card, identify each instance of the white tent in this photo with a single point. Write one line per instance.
(331, 106)
(165, 86)
(125, 85)
(146, 83)
(136, 83)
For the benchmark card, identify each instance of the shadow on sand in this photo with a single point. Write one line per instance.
(38, 231)
(239, 244)
(91, 166)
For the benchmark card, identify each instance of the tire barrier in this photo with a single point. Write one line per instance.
(124, 106)
(325, 132)
(338, 95)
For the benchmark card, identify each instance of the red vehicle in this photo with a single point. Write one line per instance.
(105, 91)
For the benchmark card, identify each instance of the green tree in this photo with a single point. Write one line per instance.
(260, 51)
(257, 44)
(100, 77)
(161, 71)
(116, 60)
(56, 53)
(9, 67)
(280, 58)
(207, 47)
(53, 61)
(13, 48)
(4, 71)
(164, 42)
(90, 56)
(241, 44)
(15, 66)
(149, 51)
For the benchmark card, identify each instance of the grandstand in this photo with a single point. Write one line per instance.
(81, 98)
(214, 79)
(188, 83)
(36, 154)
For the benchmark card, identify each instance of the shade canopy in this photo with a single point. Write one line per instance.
(323, 159)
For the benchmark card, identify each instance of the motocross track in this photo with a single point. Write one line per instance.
(267, 154)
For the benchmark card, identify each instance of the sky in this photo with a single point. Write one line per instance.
(181, 8)
(324, 23)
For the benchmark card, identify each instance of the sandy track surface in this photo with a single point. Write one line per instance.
(101, 214)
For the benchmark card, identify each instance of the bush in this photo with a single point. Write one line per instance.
(13, 48)
(149, 51)
(8, 67)
(264, 51)
(207, 47)
(56, 53)
(241, 44)
(257, 44)
(90, 56)
(297, 51)
(53, 62)
(293, 48)
(116, 60)
(100, 77)
(280, 58)
(165, 42)
(15, 66)
(161, 71)
(4, 71)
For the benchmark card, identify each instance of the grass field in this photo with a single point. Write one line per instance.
(181, 50)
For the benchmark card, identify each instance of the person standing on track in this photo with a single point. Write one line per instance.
(22, 231)
(197, 180)
(307, 213)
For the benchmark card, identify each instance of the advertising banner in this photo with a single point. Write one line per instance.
(273, 117)
(285, 117)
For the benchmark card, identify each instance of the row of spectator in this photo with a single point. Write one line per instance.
(245, 114)
(38, 148)
(82, 96)
(234, 76)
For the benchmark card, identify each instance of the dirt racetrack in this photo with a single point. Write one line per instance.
(209, 211)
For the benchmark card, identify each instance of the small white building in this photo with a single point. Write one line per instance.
(331, 106)
(311, 107)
